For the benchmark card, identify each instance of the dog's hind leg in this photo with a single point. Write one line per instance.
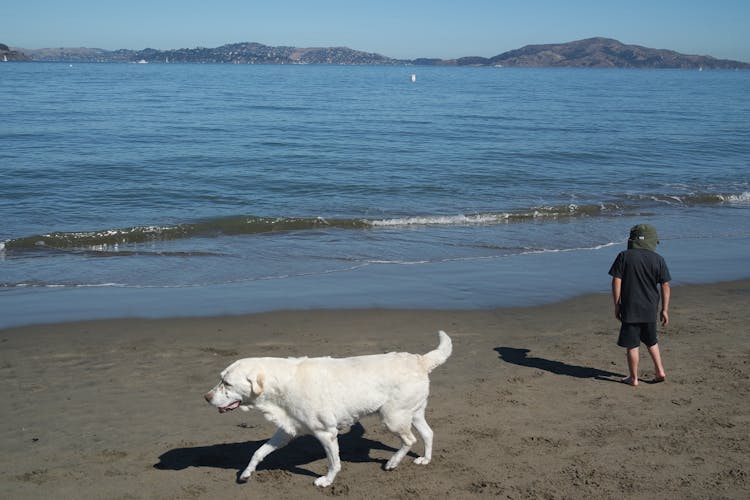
(399, 424)
(426, 432)
(329, 440)
(278, 440)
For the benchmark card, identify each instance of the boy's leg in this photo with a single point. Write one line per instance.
(630, 338)
(632, 355)
(648, 337)
(659, 374)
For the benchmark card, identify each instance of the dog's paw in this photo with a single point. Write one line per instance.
(245, 476)
(421, 460)
(323, 481)
(392, 463)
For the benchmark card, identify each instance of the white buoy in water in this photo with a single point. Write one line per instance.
(413, 77)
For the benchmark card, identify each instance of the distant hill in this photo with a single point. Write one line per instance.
(589, 53)
(236, 53)
(597, 53)
(6, 54)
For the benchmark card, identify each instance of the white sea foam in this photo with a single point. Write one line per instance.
(447, 220)
(66, 285)
(399, 262)
(575, 249)
(102, 285)
(606, 245)
(737, 198)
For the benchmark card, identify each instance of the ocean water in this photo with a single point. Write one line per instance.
(171, 190)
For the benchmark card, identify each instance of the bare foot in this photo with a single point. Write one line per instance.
(658, 378)
(630, 381)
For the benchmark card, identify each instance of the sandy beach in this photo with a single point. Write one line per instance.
(529, 405)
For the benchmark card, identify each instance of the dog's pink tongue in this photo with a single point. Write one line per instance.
(230, 407)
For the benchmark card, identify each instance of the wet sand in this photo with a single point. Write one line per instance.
(529, 405)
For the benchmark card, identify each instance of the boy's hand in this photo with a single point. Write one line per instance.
(618, 312)
(664, 318)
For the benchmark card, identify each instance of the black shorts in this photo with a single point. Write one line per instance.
(632, 334)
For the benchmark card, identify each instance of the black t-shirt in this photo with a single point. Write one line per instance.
(641, 271)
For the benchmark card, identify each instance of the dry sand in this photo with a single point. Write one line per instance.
(528, 406)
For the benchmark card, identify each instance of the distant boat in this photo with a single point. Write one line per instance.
(5, 58)
(143, 61)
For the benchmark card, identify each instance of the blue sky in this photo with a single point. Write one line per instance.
(400, 29)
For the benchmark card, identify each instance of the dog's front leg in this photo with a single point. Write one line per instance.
(329, 440)
(278, 440)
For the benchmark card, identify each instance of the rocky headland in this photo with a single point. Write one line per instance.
(589, 53)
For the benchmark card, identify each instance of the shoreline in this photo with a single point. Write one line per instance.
(528, 405)
(535, 279)
(741, 287)
(544, 302)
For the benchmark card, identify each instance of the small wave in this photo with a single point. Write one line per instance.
(692, 199)
(108, 242)
(541, 212)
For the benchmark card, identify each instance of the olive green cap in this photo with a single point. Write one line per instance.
(643, 236)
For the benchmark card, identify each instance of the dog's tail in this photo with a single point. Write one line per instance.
(435, 358)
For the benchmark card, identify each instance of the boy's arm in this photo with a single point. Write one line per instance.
(666, 292)
(616, 290)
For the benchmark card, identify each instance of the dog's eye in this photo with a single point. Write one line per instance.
(227, 384)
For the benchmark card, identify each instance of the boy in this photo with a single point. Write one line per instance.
(637, 274)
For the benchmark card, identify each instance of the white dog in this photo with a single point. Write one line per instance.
(319, 396)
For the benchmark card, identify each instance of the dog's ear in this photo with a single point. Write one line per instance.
(256, 383)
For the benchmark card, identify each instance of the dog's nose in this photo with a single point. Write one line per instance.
(209, 396)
